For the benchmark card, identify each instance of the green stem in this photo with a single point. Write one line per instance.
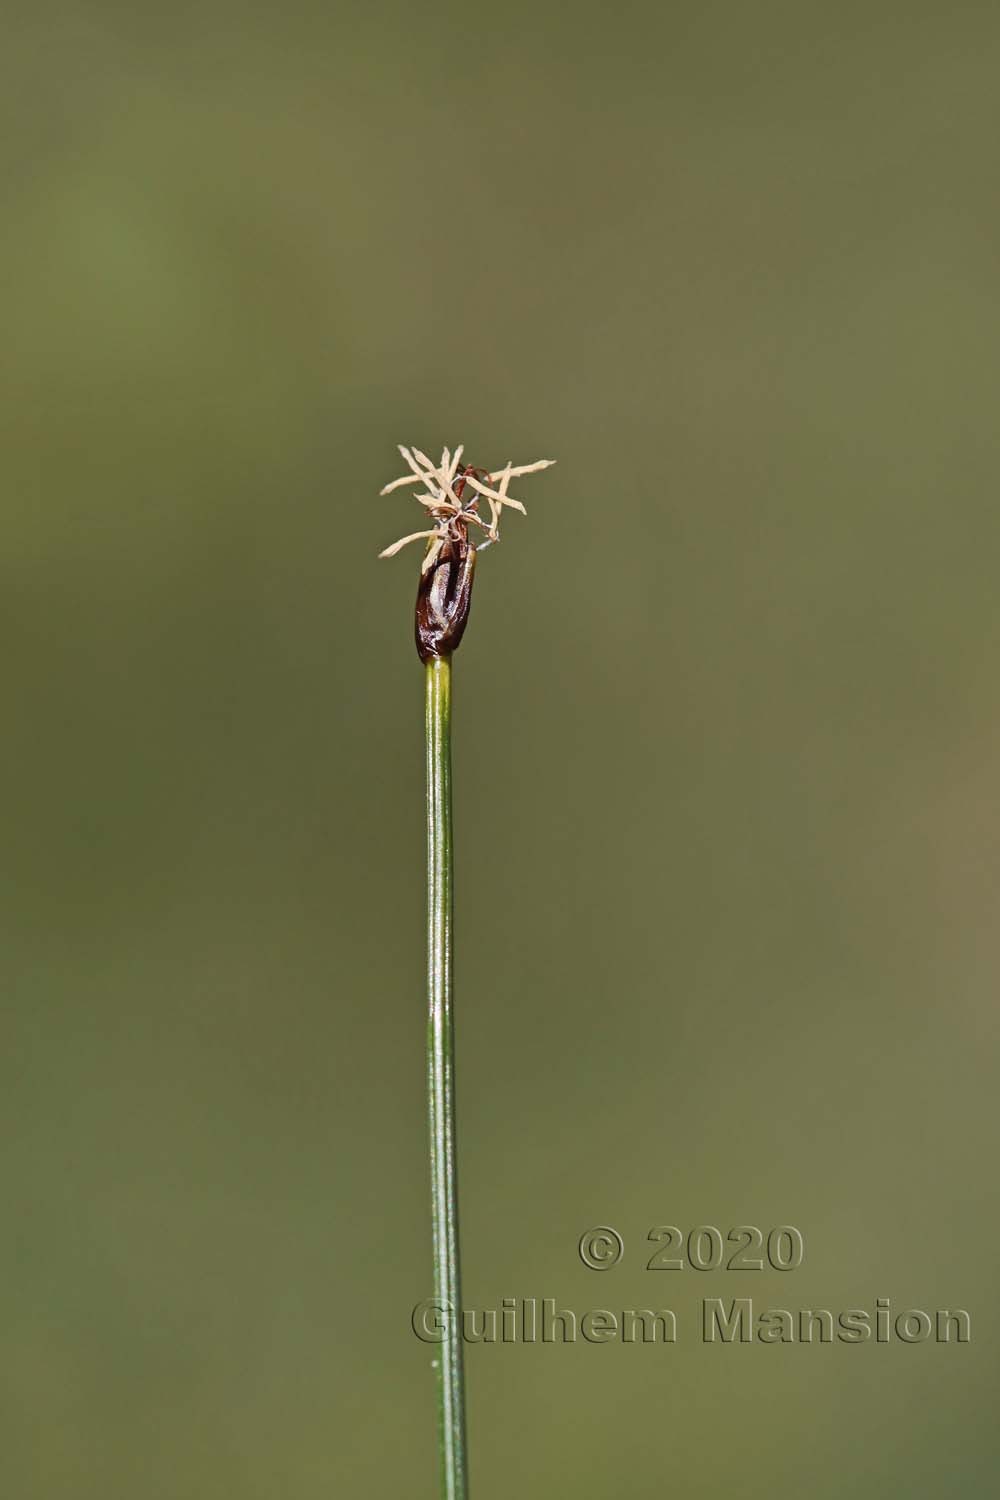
(441, 1081)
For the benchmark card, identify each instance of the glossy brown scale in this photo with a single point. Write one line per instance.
(444, 593)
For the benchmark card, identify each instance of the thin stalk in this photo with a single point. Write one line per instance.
(451, 493)
(441, 1080)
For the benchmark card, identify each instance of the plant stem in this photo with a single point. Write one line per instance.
(441, 1080)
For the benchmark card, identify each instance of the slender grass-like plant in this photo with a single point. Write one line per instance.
(451, 493)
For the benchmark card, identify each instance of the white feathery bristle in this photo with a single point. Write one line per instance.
(403, 541)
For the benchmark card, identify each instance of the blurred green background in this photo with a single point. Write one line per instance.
(727, 733)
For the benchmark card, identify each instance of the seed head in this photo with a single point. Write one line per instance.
(451, 494)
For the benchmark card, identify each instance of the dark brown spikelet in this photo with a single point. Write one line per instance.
(444, 595)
